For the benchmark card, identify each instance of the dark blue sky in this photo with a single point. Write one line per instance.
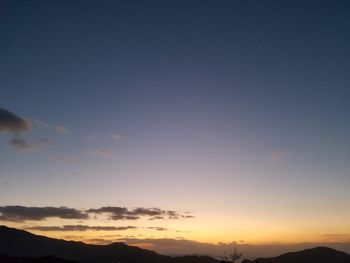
(215, 93)
(260, 61)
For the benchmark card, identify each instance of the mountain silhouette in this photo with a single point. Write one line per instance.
(19, 243)
(46, 259)
(313, 255)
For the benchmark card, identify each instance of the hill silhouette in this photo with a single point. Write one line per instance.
(313, 255)
(19, 243)
(46, 259)
(18, 246)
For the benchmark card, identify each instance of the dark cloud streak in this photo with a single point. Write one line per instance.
(22, 213)
(156, 218)
(115, 213)
(122, 213)
(22, 144)
(157, 228)
(10, 122)
(80, 228)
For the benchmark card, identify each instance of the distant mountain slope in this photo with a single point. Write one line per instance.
(314, 255)
(16, 242)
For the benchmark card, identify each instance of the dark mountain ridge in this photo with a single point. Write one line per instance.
(46, 259)
(18, 246)
(19, 243)
(313, 255)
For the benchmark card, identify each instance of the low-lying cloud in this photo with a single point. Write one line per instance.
(23, 144)
(22, 213)
(11, 123)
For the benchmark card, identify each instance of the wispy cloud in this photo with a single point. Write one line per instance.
(103, 153)
(66, 158)
(336, 237)
(80, 228)
(187, 216)
(156, 218)
(22, 144)
(157, 228)
(38, 123)
(62, 129)
(23, 213)
(116, 136)
(10, 122)
(278, 155)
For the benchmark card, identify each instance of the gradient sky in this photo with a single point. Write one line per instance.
(234, 112)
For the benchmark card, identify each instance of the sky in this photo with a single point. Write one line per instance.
(210, 122)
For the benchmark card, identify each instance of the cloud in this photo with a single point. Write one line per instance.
(173, 214)
(9, 122)
(66, 158)
(122, 213)
(125, 227)
(116, 136)
(22, 213)
(187, 216)
(277, 155)
(147, 211)
(157, 228)
(80, 228)
(156, 218)
(103, 153)
(22, 144)
(38, 123)
(336, 237)
(115, 213)
(62, 129)
(19, 144)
